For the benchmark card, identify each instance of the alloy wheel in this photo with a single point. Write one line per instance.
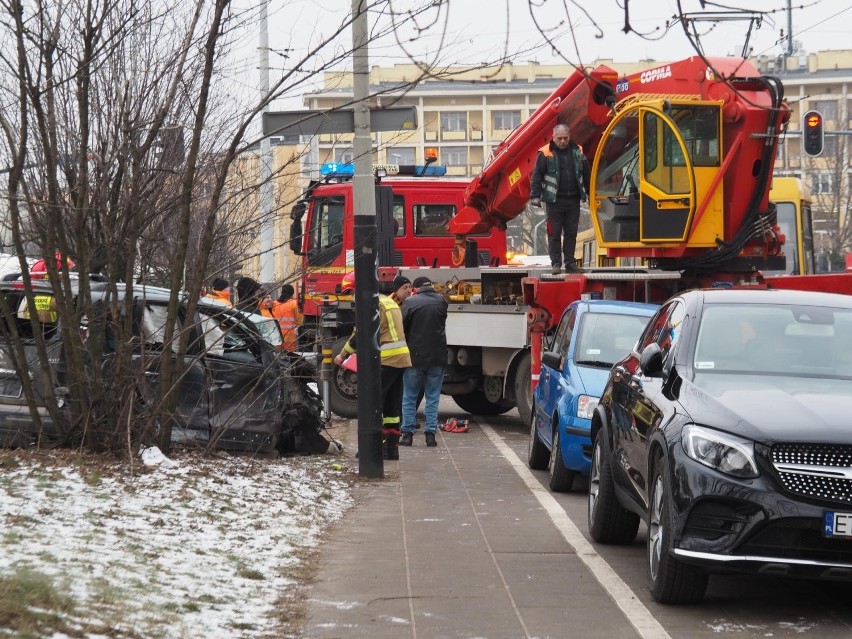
(656, 529)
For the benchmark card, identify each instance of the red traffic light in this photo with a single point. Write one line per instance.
(813, 120)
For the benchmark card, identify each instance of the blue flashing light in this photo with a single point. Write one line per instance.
(337, 168)
(432, 169)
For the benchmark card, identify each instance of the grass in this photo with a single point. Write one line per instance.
(32, 604)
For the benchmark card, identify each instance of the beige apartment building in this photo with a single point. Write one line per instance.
(467, 112)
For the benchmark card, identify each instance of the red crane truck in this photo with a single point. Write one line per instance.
(682, 161)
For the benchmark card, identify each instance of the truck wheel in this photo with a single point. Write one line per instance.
(476, 403)
(343, 396)
(523, 388)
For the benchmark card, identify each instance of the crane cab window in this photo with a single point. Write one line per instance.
(699, 127)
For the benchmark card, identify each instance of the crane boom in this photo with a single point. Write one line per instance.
(683, 157)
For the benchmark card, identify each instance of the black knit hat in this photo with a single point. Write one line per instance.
(220, 284)
(287, 291)
(398, 282)
(422, 281)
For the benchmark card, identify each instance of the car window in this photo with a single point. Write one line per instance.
(225, 336)
(654, 331)
(267, 327)
(562, 338)
(672, 331)
(664, 329)
(774, 340)
(605, 338)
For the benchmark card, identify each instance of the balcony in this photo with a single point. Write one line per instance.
(476, 135)
(430, 136)
(453, 136)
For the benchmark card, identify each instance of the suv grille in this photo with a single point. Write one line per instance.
(820, 471)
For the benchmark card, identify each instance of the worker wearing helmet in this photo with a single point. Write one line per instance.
(395, 358)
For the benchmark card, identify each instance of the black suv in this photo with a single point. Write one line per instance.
(728, 432)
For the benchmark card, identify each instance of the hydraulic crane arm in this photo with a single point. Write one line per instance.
(500, 192)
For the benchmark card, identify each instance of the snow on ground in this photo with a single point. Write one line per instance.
(201, 547)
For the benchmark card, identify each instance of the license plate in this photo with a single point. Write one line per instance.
(837, 524)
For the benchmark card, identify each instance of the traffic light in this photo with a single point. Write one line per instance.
(813, 135)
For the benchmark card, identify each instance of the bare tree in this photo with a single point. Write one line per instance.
(122, 127)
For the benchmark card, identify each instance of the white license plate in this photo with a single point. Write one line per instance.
(837, 524)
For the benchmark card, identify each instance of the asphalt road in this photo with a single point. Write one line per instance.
(735, 605)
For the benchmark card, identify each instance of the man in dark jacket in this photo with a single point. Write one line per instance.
(560, 179)
(424, 318)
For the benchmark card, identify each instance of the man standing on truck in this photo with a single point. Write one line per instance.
(560, 179)
(395, 358)
(424, 318)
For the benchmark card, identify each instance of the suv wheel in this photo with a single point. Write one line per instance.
(670, 580)
(609, 521)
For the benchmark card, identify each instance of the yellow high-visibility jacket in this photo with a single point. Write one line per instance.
(392, 347)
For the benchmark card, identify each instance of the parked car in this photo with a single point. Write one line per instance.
(238, 390)
(590, 338)
(728, 432)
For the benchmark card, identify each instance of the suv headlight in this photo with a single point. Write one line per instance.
(586, 406)
(723, 452)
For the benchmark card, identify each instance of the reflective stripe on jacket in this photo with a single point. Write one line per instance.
(550, 177)
(392, 347)
(289, 319)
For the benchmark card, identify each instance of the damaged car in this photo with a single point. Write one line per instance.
(237, 390)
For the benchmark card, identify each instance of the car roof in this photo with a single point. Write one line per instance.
(615, 307)
(769, 296)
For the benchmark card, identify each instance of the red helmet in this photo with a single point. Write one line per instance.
(347, 284)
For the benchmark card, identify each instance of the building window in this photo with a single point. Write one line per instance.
(828, 108)
(454, 121)
(506, 120)
(343, 156)
(455, 155)
(822, 183)
(401, 155)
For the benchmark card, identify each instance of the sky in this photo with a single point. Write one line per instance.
(190, 547)
(459, 32)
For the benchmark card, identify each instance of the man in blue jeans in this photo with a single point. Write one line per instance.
(424, 318)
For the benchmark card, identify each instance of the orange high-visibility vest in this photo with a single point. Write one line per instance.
(289, 319)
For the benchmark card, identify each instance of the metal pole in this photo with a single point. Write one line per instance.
(366, 282)
(267, 264)
(789, 29)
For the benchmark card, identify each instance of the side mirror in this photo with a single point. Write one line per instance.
(552, 360)
(651, 361)
(296, 237)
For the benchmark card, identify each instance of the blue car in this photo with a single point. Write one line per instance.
(592, 335)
